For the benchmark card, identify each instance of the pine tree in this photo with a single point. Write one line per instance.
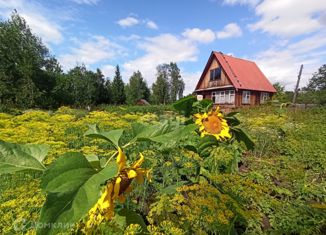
(118, 88)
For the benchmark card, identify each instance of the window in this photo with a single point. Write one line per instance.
(264, 96)
(246, 97)
(214, 97)
(231, 97)
(215, 74)
(223, 97)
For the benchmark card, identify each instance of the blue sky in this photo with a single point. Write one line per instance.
(278, 35)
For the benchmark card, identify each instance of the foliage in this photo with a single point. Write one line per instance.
(117, 88)
(280, 93)
(315, 91)
(199, 185)
(318, 80)
(137, 89)
(169, 85)
(27, 69)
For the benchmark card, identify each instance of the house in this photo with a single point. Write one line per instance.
(233, 82)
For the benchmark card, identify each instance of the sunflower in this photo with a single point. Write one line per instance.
(115, 189)
(213, 123)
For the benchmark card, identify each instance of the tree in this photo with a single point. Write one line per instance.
(101, 93)
(280, 93)
(315, 91)
(169, 85)
(108, 91)
(118, 88)
(176, 83)
(160, 90)
(318, 80)
(137, 88)
(25, 76)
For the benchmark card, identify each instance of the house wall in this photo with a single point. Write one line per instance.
(206, 83)
(254, 97)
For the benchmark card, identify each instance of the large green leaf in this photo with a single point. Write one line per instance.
(17, 157)
(73, 187)
(174, 137)
(67, 173)
(146, 132)
(241, 135)
(168, 133)
(132, 217)
(113, 136)
(184, 105)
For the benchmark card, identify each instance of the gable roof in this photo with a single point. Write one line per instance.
(243, 74)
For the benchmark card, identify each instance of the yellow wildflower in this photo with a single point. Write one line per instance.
(213, 123)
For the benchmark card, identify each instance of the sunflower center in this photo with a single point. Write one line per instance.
(125, 182)
(213, 124)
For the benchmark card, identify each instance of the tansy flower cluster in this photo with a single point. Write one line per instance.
(213, 123)
(114, 190)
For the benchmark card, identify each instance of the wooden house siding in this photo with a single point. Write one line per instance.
(207, 83)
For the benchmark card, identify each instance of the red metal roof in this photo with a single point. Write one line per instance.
(243, 74)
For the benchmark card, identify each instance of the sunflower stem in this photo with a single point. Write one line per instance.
(113, 155)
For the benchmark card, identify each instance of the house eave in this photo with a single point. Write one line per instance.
(215, 88)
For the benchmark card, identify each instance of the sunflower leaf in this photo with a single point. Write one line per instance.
(18, 157)
(242, 136)
(72, 187)
(145, 133)
(184, 105)
(113, 136)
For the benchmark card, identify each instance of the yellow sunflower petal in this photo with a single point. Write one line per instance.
(198, 115)
(139, 161)
(121, 159)
(132, 174)
(140, 178)
(117, 187)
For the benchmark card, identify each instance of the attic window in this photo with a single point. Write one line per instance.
(215, 74)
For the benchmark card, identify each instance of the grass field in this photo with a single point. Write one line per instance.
(279, 187)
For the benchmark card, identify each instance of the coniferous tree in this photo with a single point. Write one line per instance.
(118, 88)
(108, 91)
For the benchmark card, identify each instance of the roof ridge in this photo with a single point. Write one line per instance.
(235, 57)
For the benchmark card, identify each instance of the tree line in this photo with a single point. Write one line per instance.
(31, 77)
(313, 93)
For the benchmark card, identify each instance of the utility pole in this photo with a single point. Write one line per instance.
(297, 86)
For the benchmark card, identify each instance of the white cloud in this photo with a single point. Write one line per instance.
(88, 2)
(281, 64)
(132, 37)
(108, 70)
(161, 49)
(289, 17)
(241, 2)
(36, 17)
(151, 25)
(229, 31)
(128, 21)
(196, 34)
(98, 49)
(190, 80)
